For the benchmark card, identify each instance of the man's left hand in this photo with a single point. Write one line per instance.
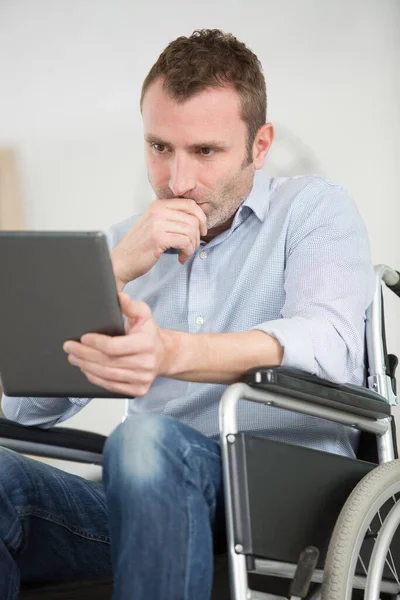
(126, 364)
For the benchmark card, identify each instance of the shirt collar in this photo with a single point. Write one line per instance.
(258, 199)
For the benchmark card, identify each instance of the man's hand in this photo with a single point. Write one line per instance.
(175, 223)
(126, 364)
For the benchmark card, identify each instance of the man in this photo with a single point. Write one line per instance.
(226, 270)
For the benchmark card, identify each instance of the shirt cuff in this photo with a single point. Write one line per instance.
(295, 339)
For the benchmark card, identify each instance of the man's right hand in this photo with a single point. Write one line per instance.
(174, 223)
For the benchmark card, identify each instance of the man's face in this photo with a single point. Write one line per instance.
(198, 150)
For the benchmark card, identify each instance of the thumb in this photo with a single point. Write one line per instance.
(133, 310)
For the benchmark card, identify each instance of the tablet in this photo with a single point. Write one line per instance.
(54, 286)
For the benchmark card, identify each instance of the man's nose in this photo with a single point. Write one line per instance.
(182, 179)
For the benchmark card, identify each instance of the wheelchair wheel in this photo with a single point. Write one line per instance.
(364, 550)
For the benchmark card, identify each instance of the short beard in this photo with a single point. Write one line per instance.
(231, 196)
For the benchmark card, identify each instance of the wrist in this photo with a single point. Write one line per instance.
(167, 344)
(119, 284)
(120, 280)
(173, 343)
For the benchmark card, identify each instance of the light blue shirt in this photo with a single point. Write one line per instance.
(296, 264)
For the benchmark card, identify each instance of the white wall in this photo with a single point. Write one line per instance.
(70, 78)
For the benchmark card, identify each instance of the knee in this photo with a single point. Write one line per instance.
(14, 477)
(137, 446)
(9, 462)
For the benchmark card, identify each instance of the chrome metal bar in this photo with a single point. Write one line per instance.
(287, 570)
(254, 595)
(281, 569)
(382, 384)
(378, 379)
(237, 562)
(246, 392)
(58, 452)
(385, 447)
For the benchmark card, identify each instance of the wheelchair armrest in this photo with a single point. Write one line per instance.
(299, 384)
(56, 442)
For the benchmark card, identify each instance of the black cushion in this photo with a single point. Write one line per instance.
(299, 384)
(64, 437)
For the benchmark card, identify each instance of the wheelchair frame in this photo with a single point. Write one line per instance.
(378, 380)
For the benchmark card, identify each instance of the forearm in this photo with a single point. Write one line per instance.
(41, 412)
(119, 282)
(217, 357)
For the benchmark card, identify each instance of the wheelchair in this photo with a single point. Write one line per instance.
(280, 499)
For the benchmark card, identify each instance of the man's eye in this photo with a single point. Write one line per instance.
(158, 148)
(205, 151)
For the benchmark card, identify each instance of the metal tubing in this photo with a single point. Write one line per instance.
(287, 570)
(284, 570)
(378, 379)
(58, 452)
(253, 595)
(242, 391)
(385, 447)
(237, 562)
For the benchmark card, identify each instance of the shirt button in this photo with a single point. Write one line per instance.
(203, 254)
(199, 320)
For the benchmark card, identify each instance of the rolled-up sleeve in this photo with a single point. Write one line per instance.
(329, 283)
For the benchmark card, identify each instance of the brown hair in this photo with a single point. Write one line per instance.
(211, 58)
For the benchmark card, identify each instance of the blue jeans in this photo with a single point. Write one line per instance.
(151, 523)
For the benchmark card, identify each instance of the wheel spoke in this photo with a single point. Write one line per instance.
(363, 566)
(360, 582)
(391, 555)
(389, 561)
(394, 570)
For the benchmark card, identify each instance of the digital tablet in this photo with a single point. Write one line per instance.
(54, 286)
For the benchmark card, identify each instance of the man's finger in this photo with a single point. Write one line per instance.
(190, 207)
(133, 309)
(119, 345)
(112, 386)
(129, 390)
(107, 372)
(85, 352)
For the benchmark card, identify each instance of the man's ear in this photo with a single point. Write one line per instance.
(262, 144)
